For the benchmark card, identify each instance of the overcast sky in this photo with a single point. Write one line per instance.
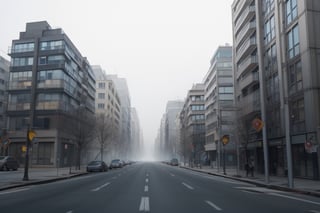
(162, 47)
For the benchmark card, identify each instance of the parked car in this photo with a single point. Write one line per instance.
(116, 163)
(8, 162)
(174, 162)
(97, 166)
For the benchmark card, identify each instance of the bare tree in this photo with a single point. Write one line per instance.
(80, 125)
(105, 132)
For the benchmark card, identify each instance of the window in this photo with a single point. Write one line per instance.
(269, 30)
(101, 95)
(297, 115)
(268, 6)
(100, 106)
(21, 76)
(197, 98)
(51, 45)
(26, 47)
(291, 10)
(295, 78)
(197, 117)
(16, 62)
(293, 42)
(102, 85)
(197, 107)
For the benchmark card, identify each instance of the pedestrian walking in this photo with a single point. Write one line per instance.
(251, 167)
(246, 166)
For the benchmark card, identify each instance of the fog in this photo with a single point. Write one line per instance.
(161, 47)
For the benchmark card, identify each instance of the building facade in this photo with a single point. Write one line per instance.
(49, 80)
(4, 78)
(275, 62)
(219, 107)
(192, 124)
(107, 108)
(125, 117)
(170, 146)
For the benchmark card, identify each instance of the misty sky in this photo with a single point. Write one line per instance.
(161, 47)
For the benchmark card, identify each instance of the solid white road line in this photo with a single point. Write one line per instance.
(295, 198)
(314, 211)
(100, 187)
(188, 186)
(146, 188)
(147, 175)
(147, 180)
(13, 191)
(213, 205)
(144, 204)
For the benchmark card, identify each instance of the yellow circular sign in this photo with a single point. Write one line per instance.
(225, 139)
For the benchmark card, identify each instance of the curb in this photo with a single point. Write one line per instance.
(269, 186)
(39, 182)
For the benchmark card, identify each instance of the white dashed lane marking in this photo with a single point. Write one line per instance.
(188, 186)
(213, 205)
(144, 204)
(100, 187)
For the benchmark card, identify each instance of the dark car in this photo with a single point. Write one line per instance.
(116, 163)
(8, 162)
(174, 162)
(97, 166)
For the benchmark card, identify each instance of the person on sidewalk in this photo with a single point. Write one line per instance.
(246, 166)
(251, 167)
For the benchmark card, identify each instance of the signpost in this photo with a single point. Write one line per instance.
(225, 140)
(30, 135)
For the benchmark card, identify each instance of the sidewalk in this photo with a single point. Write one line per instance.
(12, 179)
(303, 186)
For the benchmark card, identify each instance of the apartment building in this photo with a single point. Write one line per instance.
(125, 117)
(219, 107)
(276, 44)
(107, 108)
(192, 124)
(49, 81)
(4, 78)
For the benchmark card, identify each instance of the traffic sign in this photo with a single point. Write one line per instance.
(257, 124)
(225, 139)
(31, 134)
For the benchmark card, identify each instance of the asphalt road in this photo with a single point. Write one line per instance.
(152, 187)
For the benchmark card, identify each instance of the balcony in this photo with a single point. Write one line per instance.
(246, 31)
(250, 79)
(248, 64)
(245, 17)
(250, 103)
(18, 106)
(20, 85)
(246, 48)
(240, 6)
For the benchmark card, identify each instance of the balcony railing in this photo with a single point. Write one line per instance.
(249, 28)
(249, 63)
(248, 46)
(250, 103)
(249, 79)
(247, 14)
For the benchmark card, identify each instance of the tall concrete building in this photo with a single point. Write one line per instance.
(173, 110)
(49, 81)
(125, 117)
(219, 106)
(136, 135)
(276, 45)
(4, 78)
(107, 104)
(192, 124)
